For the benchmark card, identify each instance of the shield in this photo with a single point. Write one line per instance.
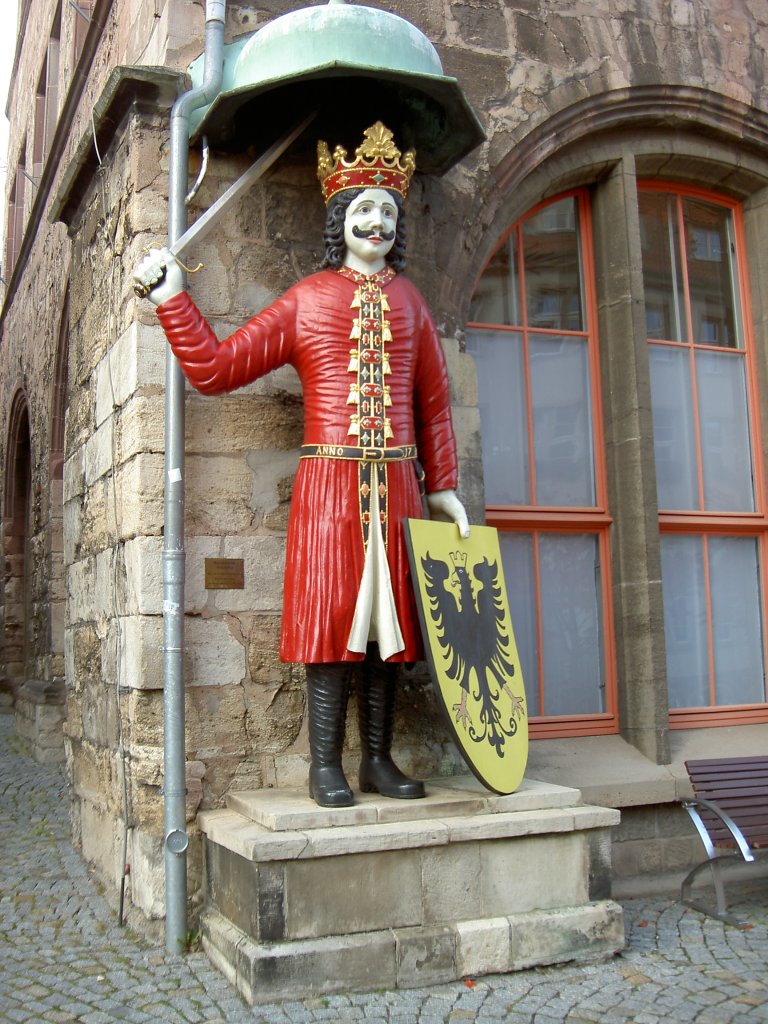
(471, 651)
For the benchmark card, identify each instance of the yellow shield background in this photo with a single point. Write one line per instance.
(471, 651)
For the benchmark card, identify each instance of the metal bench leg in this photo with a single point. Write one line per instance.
(717, 879)
(722, 909)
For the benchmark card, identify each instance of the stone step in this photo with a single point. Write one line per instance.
(411, 957)
(259, 844)
(287, 810)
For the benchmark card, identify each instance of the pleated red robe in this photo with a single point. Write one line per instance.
(309, 327)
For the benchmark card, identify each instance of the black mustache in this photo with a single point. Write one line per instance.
(387, 236)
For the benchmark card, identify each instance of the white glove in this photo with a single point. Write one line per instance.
(444, 505)
(159, 275)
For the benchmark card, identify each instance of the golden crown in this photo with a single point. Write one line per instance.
(378, 163)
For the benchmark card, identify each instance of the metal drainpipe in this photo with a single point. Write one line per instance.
(174, 782)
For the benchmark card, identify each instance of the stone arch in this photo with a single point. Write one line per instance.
(678, 132)
(636, 109)
(17, 487)
(40, 700)
(32, 681)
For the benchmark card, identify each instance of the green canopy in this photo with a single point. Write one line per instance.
(352, 65)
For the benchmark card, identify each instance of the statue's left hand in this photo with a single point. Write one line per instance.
(446, 506)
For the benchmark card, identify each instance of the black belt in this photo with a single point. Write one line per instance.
(342, 451)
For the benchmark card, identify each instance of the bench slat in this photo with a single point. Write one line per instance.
(749, 780)
(746, 778)
(751, 835)
(725, 762)
(750, 794)
(747, 820)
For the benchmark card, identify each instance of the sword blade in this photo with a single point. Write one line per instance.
(197, 231)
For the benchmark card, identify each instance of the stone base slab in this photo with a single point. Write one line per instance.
(410, 957)
(282, 810)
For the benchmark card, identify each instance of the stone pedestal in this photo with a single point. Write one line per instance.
(304, 900)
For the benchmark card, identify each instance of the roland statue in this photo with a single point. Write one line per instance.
(376, 408)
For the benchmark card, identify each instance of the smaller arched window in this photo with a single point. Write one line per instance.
(532, 334)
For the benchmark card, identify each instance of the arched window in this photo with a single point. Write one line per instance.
(532, 333)
(17, 485)
(682, 414)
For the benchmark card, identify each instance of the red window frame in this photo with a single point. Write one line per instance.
(705, 524)
(595, 520)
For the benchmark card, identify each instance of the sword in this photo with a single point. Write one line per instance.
(204, 223)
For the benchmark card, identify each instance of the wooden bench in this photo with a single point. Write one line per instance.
(730, 811)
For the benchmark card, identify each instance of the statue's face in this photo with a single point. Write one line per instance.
(369, 230)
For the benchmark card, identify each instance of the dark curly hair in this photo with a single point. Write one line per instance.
(333, 235)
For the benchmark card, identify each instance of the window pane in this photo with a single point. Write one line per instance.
(685, 621)
(552, 268)
(736, 620)
(662, 270)
(571, 624)
(725, 445)
(503, 419)
(562, 424)
(517, 559)
(710, 274)
(497, 296)
(673, 428)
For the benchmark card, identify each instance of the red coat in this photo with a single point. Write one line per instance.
(309, 327)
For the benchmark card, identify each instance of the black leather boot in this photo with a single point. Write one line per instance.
(327, 694)
(376, 708)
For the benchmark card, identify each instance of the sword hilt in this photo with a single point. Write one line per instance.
(143, 290)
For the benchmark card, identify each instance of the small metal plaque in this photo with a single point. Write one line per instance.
(224, 574)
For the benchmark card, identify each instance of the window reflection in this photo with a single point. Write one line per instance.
(665, 310)
(497, 295)
(548, 244)
(694, 271)
(712, 580)
(710, 248)
(564, 569)
(562, 422)
(503, 415)
(552, 277)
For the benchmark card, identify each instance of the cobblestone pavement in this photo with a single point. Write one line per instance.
(63, 958)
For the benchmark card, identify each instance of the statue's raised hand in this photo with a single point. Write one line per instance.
(158, 276)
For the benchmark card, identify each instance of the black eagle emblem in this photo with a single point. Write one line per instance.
(476, 646)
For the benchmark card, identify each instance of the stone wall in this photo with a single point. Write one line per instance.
(62, 314)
